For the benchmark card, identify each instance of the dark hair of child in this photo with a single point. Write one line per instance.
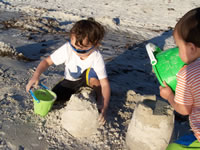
(188, 27)
(89, 29)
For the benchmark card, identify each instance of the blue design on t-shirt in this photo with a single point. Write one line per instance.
(76, 74)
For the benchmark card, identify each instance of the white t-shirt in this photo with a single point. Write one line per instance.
(74, 66)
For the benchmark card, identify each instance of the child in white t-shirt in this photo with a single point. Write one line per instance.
(84, 65)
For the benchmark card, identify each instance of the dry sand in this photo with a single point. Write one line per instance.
(33, 29)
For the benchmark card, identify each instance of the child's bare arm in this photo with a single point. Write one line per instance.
(105, 88)
(44, 64)
(166, 93)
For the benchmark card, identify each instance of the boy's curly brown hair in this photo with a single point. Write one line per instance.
(89, 29)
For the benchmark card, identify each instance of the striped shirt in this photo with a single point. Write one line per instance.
(188, 93)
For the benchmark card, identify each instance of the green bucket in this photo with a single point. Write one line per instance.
(166, 64)
(44, 101)
(194, 146)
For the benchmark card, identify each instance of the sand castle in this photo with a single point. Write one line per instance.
(150, 127)
(80, 116)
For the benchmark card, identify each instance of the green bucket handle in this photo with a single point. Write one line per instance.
(151, 51)
(33, 95)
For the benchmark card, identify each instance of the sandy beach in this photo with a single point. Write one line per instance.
(31, 30)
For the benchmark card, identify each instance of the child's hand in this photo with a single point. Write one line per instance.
(166, 92)
(102, 117)
(33, 81)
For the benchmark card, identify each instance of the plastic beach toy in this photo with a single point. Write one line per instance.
(43, 100)
(194, 146)
(166, 64)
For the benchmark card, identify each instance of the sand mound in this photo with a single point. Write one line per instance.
(80, 116)
(10, 51)
(35, 24)
(150, 131)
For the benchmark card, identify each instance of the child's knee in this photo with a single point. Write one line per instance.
(93, 82)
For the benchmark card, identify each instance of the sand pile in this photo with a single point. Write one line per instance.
(35, 24)
(10, 51)
(80, 116)
(150, 129)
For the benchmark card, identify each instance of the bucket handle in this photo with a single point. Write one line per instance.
(33, 95)
(150, 49)
(42, 85)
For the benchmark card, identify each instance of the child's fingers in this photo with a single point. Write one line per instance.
(28, 87)
(101, 120)
(165, 84)
(160, 87)
(36, 84)
(30, 84)
(100, 117)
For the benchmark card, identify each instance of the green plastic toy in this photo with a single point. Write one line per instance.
(43, 100)
(166, 64)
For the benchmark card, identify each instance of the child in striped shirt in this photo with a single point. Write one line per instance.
(186, 100)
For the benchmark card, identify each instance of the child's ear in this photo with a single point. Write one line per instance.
(192, 47)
